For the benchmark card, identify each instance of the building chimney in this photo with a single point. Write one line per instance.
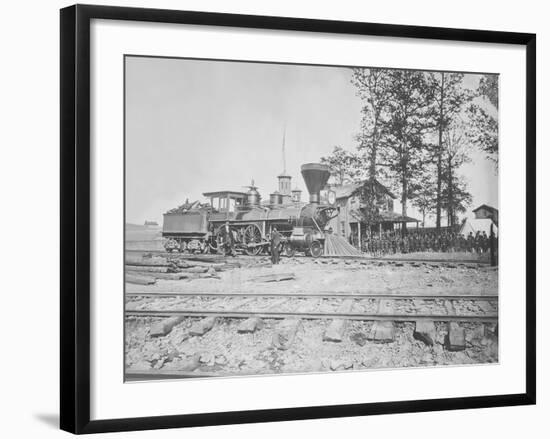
(296, 195)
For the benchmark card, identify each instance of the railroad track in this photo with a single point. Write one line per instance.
(343, 258)
(486, 297)
(358, 306)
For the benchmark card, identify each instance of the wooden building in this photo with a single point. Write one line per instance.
(366, 209)
(486, 212)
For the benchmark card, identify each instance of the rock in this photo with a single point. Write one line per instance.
(455, 339)
(425, 332)
(359, 338)
(206, 358)
(203, 326)
(285, 333)
(341, 364)
(172, 355)
(220, 360)
(189, 364)
(141, 365)
(180, 338)
(159, 363)
(476, 335)
(427, 358)
(250, 325)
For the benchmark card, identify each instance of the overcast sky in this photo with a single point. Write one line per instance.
(197, 126)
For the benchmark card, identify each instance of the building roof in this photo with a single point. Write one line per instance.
(284, 175)
(487, 207)
(347, 190)
(384, 217)
(474, 225)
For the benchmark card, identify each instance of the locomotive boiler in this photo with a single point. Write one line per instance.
(197, 227)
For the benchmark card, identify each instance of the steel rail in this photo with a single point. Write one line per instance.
(477, 297)
(314, 315)
(359, 258)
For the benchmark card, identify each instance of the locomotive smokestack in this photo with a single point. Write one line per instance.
(316, 176)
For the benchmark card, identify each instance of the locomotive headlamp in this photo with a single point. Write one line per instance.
(331, 197)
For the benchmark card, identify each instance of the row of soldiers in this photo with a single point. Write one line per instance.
(393, 242)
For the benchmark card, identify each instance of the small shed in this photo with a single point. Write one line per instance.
(486, 212)
(474, 225)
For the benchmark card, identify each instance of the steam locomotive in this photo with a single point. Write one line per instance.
(198, 227)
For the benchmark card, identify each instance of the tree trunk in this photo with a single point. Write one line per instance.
(404, 204)
(374, 149)
(439, 154)
(450, 197)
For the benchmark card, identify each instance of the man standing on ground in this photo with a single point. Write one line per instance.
(275, 243)
(228, 242)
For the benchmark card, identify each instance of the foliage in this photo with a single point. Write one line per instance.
(455, 197)
(344, 166)
(483, 131)
(450, 97)
(373, 88)
(403, 148)
(488, 87)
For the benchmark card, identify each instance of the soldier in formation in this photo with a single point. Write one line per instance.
(392, 242)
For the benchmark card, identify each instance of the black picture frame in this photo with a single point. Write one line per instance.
(75, 217)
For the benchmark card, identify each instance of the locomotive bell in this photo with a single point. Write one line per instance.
(316, 176)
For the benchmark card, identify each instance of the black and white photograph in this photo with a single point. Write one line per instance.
(288, 218)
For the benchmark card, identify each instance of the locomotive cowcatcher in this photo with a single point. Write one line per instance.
(196, 227)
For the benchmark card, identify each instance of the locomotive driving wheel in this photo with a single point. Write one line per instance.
(316, 249)
(252, 235)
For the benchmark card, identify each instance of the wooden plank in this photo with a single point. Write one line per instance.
(250, 325)
(146, 269)
(203, 326)
(156, 261)
(274, 277)
(337, 327)
(164, 327)
(383, 331)
(455, 339)
(139, 280)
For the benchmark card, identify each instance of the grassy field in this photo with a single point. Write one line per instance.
(140, 237)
